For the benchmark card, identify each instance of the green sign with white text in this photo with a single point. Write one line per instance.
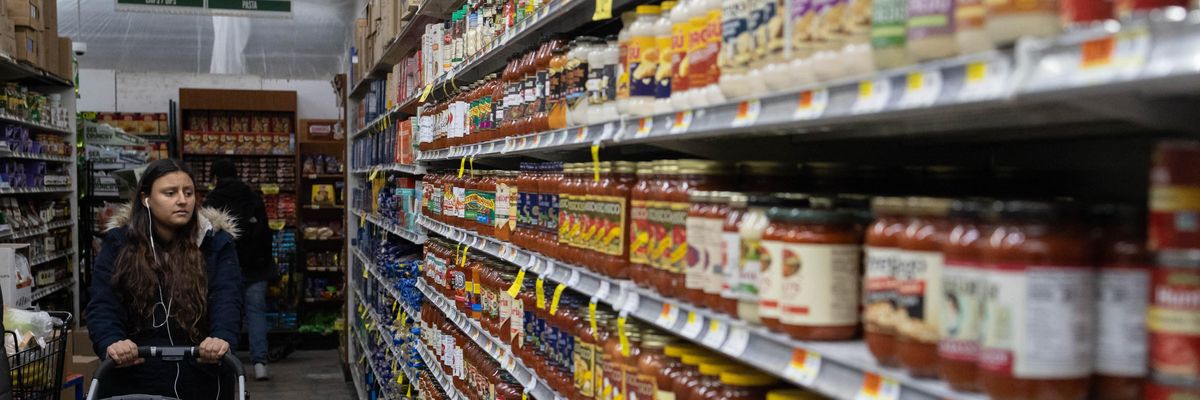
(262, 8)
(251, 5)
(165, 5)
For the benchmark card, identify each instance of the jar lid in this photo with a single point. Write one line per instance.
(667, 5)
(667, 167)
(696, 359)
(648, 10)
(1189, 258)
(738, 200)
(700, 196)
(885, 205)
(623, 167)
(928, 206)
(747, 378)
(679, 349)
(715, 369)
(820, 216)
(792, 394)
(645, 167)
(655, 339)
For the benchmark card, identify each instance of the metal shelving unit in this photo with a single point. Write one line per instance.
(415, 237)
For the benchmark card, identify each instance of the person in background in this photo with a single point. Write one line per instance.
(254, 252)
(167, 274)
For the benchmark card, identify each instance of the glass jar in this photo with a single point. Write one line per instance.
(1036, 247)
(753, 224)
(820, 262)
(639, 226)
(962, 280)
(663, 223)
(745, 385)
(731, 241)
(649, 361)
(882, 253)
(614, 209)
(1124, 291)
(919, 284)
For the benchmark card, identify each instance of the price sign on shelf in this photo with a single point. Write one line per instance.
(695, 324)
(1097, 53)
(562, 138)
(984, 80)
(735, 345)
(811, 104)
(876, 387)
(1104, 59)
(717, 331)
(872, 96)
(681, 122)
(581, 134)
(537, 141)
(668, 316)
(921, 88)
(747, 113)
(524, 143)
(804, 367)
(645, 125)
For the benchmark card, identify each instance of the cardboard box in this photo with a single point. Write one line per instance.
(49, 51)
(16, 283)
(387, 25)
(25, 13)
(50, 15)
(8, 37)
(82, 365)
(66, 59)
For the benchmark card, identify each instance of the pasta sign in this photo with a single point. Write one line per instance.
(249, 8)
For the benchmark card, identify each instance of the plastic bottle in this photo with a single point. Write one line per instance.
(576, 76)
(643, 56)
(611, 57)
(737, 47)
(856, 52)
(662, 77)
(624, 39)
(711, 92)
(679, 54)
(768, 45)
(888, 18)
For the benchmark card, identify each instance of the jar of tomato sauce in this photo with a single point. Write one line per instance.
(701, 242)
(1039, 294)
(820, 265)
(753, 257)
(567, 251)
(745, 385)
(596, 181)
(714, 276)
(882, 252)
(962, 280)
(770, 280)
(701, 175)
(612, 213)
(639, 226)
(726, 299)
(919, 291)
(1174, 336)
(708, 383)
(650, 362)
(1124, 291)
(666, 225)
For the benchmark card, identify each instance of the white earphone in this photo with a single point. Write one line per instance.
(162, 301)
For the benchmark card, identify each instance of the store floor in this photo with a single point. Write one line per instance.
(303, 375)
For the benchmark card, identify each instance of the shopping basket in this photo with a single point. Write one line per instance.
(167, 354)
(37, 372)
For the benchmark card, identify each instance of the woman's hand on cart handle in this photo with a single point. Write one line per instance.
(212, 350)
(124, 353)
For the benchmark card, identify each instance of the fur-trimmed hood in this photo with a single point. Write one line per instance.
(211, 221)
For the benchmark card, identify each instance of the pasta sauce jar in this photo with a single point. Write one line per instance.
(1173, 322)
(1123, 287)
(1038, 293)
(919, 291)
(821, 271)
(962, 281)
(882, 252)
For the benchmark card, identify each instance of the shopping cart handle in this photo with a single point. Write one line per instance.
(168, 353)
(173, 354)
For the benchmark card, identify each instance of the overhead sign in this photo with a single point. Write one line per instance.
(247, 8)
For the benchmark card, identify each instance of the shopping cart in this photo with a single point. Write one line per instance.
(36, 372)
(168, 354)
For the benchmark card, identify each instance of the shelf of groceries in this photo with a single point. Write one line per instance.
(843, 370)
(415, 237)
(1148, 56)
(402, 168)
(43, 291)
(374, 327)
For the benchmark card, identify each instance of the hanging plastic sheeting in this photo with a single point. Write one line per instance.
(310, 45)
(230, 36)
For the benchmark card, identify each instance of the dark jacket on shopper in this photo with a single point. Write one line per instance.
(107, 319)
(6, 380)
(254, 243)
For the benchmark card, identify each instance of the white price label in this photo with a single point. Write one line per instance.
(876, 387)
(562, 138)
(608, 131)
(804, 367)
(603, 292)
(645, 125)
(573, 281)
(695, 324)
(581, 134)
(735, 345)
(872, 96)
(717, 331)
(811, 104)
(747, 113)
(550, 267)
(491, 147)
(531, 384)
(681, 122)
(631, 301)
(921, 89)
(668, 316)
(508, 145)
(984, 80)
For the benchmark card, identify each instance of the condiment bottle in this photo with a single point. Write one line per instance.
(624, 41)
(708, 383)
(585, 355)
(644, 57)
(1039, 294)
(556, 92)
(768, 71)
(888, 35)
(737, 48)
(771, 279)
(725, 296)
(612, 210)
(680, 17)
(962, 279)
(970, 33)
(1124, 290)
(882, 254)
(639, 225)
(1173, 350)
(930, 29)
(703, 232)
(919, 284)
(577, 72)
(662, 76)
(650, 361)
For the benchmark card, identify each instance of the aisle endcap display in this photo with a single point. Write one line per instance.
(402, 168)
(836, 369)
(1150, 55)
(415, 237)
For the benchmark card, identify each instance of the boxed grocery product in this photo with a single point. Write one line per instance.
(25, 13)
(29, 45)
(66, 60)
(15, 277)
(50, 15)
(50, 50)
(264, 143)
(8, 37)
(229, 143)
(387, 21)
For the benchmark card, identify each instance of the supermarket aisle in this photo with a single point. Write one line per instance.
(303, 375)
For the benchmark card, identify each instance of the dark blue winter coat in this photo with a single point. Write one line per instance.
(107, 319)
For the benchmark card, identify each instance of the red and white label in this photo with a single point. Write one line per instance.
(961, 314)
(1121, 321)
(822, 284)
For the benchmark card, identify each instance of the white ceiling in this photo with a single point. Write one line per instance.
(310, 45)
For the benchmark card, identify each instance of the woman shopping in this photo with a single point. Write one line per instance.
(167, 275)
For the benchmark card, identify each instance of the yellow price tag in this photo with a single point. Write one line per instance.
(596, 161)
(558, 291)
(472, 162)
(362, 221)
(865, 88)
(603, 10)
(462, 166)
(516, 285)
(374, 173)
(976, 71)
(914, 81)
(270, 189)
(425, 93)
(462, 262)
(625, 348)
(541, 293)
(365, 271)
(592, 319)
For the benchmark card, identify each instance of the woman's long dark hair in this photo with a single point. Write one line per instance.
(180, 270)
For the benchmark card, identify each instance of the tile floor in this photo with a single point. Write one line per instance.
(303, 375)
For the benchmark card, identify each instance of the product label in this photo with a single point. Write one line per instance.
(737, 40)
(541, 82)
(623, 70)
(668, 224)
(919, 293)
(551, 212)
(704, 43)
(643, 56)
(514, 100)
(724, 275)
(772, 29)
(580, 221)
(1174, 217)
(503, 208)
(639, 233)
(962, 311)
(888, 18)
(662, 76)
(821, 283)
(489, 300)
(516, 328)
(575, 82)
(879, 293)
(1004, 7)
(595, 85)
(1174, 324)
(700, 250)
(585, 368)
(753, 255)
(969, 15)
(608, 216)
(458, 285)
(770, 280)
(1038, 321)
(566, 217)
(471, 205)
(1121, 328)
(679, 51)
(928, 18)
(642, 387)
(505, 305)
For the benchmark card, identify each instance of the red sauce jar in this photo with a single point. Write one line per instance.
(639, 226)
(919, 284)
(821, 271)
(962, 280)
(745, 385)
(1039, 292)
(1124, 291)
(715, 276)
(614, 209)
(882, 252)
(1174, 336)
(1175, 196)
(731, 240)
(666, 226)
(567, 214)
(703, 232)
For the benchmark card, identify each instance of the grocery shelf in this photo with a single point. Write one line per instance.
(115, 166)
(374, 325)
(4, 153)
(439, 376)
(37, 230)
(12, 69)
(415, 237)
(835, 369)
(52, 288)
(408, 39)
(357, 376)
(36, 190)
(1040, 84)
(402, 168)
(33, 262)
(234, 154)
(380, 123)
(322, 176)
(495, 348)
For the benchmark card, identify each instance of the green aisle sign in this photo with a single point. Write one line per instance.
(167, 5)
(262, 8)
(251, 5)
